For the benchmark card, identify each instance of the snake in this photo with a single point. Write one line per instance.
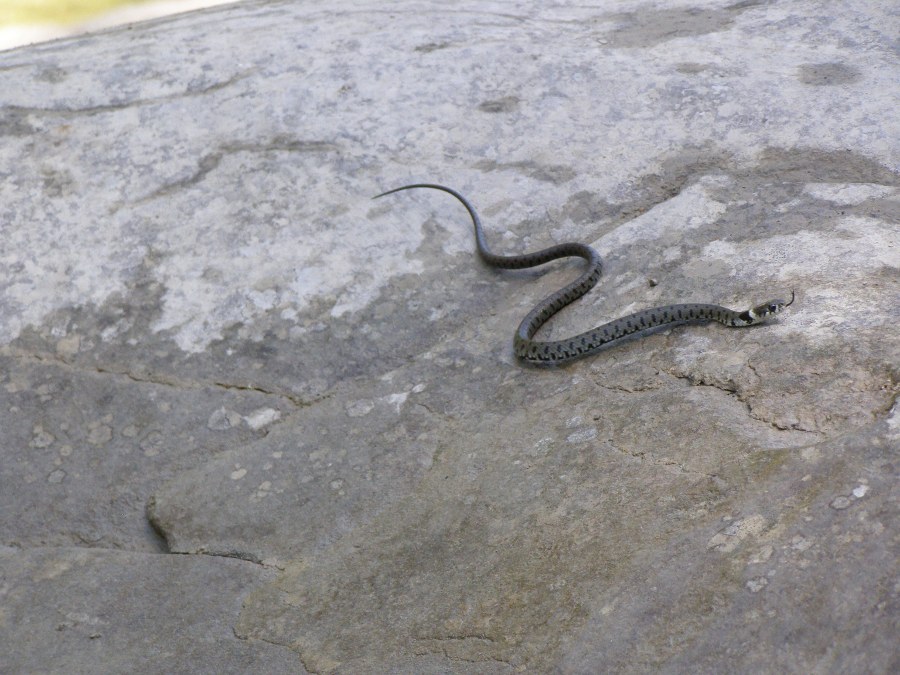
(555, 352)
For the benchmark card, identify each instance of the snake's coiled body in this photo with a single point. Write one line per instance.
(561, 351)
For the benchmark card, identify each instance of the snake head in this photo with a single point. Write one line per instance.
(764, 311)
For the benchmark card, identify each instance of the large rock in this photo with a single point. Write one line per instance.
(215, 344)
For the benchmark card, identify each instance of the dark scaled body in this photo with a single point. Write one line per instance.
(551, 352)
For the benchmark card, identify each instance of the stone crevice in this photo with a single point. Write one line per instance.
(734, 391)
(210, 162)
(160, 529)
(651, 458)
(447, 647)
(166, 381)
(88, 111)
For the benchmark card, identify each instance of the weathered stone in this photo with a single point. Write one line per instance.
(81, 610)
(84, 449)
(214, 343)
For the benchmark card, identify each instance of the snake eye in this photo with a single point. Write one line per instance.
(773, 308)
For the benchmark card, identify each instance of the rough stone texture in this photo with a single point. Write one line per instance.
(81, 610)
(213, 344)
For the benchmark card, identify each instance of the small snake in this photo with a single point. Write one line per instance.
(552, 352)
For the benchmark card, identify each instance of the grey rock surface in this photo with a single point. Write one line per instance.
(253, 421)
(83, 610)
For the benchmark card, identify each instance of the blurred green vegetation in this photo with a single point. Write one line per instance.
(55, 11)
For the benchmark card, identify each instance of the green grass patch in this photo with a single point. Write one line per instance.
(56, 11)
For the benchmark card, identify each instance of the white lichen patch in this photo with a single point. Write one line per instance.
(690, 209)
(263, 490)
(841, 502)
(672, 253)
(872, 245)
(849, 194)
(845, 501)
(731, 537)
(100, 433)
(215, 278)
(41, 438)
(262, 417)
(223, 419)
(811, 454)
(800, 543)
(359, 408)
(68, 346)
(573, 422)
(805, 253)
(719, 250)
(397, 400)
(109, 333)
(757, 584)
(542, 447)
(582, 435)
(56, 476)
(84, 259)
(893, 423)
(762, 555)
